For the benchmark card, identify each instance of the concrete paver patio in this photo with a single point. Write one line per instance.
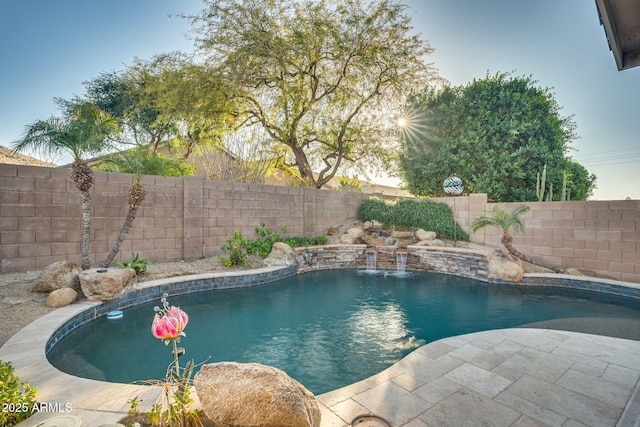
(511, 377)
(508, 377)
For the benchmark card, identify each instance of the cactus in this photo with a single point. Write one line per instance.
(563, 197)
(540, 184)
(550, 194)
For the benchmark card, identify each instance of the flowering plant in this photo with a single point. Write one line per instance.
(168, 325)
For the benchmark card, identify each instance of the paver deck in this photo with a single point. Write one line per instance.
(507, 377)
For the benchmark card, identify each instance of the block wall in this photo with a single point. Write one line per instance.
(181, 218)
(601, 238)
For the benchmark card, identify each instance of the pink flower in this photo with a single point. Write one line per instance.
(170, 325)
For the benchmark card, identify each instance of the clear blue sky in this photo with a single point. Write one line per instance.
(50, 47)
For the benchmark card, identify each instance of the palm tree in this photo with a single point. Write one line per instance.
(136, 197)
(83, 131)
(499, 218)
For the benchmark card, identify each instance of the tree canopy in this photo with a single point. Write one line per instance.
(496, 134)
(321, 78)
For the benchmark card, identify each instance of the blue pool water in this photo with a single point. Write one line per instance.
(326, 329)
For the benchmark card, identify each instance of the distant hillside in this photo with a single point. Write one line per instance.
(8, 156)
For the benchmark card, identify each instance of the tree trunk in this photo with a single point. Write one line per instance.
(507, 241)
(128, 223)
(86, 229)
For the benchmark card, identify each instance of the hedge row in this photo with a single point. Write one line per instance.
(412, 214)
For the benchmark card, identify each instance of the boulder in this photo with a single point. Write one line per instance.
(347, 239)
(235, 394)
(104, 284)
(505, 267)
(281, 254)
(60, 274)
(333, 231)
(425, 235)
(371, 225)
(433, 242)
(356, 232)
(61, 297)
(401, 234)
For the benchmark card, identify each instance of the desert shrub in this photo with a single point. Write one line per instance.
(297, 242)
(411, 213)
(264, 243)
(237, 248)
(17, 398)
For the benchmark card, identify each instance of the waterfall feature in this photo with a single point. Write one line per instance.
(401, 261)
(371, 259)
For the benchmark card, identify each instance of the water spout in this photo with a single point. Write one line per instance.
(401, 260)
(372, 255)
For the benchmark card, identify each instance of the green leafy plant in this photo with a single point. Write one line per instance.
(296, 242)
(410, 213)
(138, 264)
(263, 244)
(237, 248)
(17, 398)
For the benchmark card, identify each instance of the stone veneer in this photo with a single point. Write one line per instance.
(455, 261)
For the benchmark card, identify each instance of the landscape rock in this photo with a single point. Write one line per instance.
(371, 225)
(250, 394)
(281, 254)
(61, 297)
(433, 242)
(401, 234)
(373, 239)
(504, 267)
(104, 284)
(356, 232)
(347, 239)
(60, 274)
(425, 235)
(333, 231)
(573, 272)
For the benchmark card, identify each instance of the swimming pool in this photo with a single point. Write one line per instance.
(327, 329)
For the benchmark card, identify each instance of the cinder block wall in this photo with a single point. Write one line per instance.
(601, 238)
(187, 218)
(181, 218)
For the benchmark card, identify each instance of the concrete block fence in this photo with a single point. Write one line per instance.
(190, 217)
(601, 238)
(181, 218)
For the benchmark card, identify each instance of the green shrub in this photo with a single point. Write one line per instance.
(138, 264)
(17, 398)
(263, 244)
(296, 242)
(237, 248)
(410, 213)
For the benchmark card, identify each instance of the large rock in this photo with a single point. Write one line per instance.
(61, 297)
(425, 235)
(281, 254)
(401, 234)
(356, 232)
(61, 274)
(249, 394)
(104, 284)
(372, 225)
(433, 242)
(504, 267)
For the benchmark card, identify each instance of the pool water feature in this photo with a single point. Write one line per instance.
(327, 329)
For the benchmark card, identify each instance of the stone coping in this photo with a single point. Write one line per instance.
(97, 402)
